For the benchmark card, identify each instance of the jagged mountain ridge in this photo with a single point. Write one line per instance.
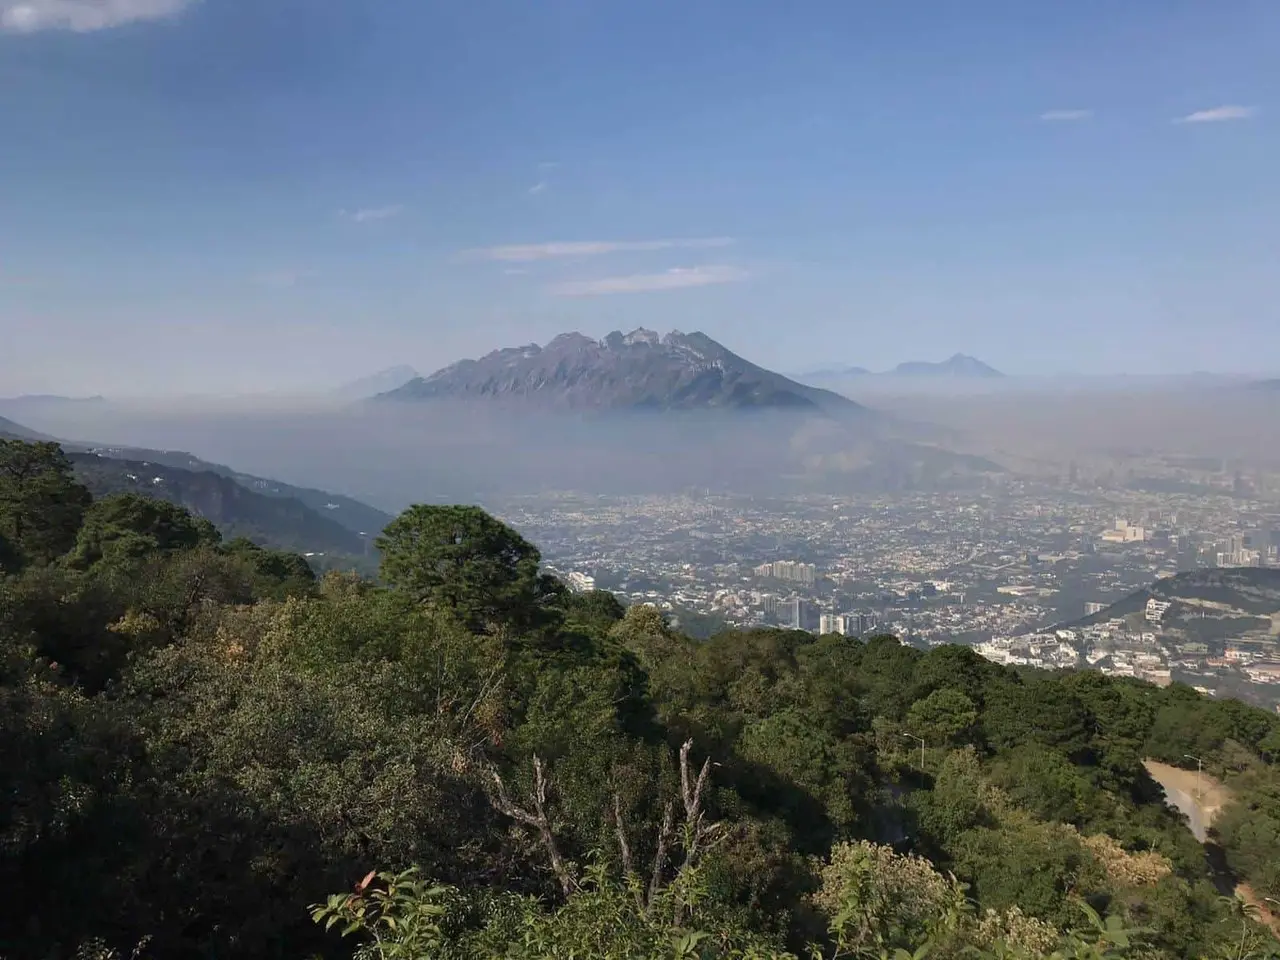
(635, 371)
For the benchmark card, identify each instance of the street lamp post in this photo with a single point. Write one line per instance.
(1199, 776)
(920, 740)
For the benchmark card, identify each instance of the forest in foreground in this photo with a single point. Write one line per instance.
(207, 751)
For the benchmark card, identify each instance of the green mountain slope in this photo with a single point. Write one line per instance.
(271, 520)
(356, 517)
(16, 431)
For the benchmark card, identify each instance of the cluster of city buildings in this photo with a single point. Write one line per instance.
(998, 569)
(792, 570)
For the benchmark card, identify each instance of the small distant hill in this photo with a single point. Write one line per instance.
(636, 371)
(280, 522)
(1211, 604)
(958, 366)
(384, 381)
(1272, 386)
(50, 399)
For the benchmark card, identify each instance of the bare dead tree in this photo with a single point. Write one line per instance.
(697, 832)
(537, 818)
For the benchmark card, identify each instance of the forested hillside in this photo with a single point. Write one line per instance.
(204, 752)
(280, 522)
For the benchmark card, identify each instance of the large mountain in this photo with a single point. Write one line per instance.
(959, 366)
(636, 371)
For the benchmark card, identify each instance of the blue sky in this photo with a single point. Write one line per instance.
(256, 194)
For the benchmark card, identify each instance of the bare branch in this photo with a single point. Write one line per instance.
(538, 819)
(624, 848)
(660, 858)
(696, 830)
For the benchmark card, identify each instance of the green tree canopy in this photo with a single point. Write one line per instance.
(467, 561)
(128, 526)
(943, 717)
(41, 504)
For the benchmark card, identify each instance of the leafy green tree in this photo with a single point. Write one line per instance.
(956, 667)
(41, 504)
(1044, 782)
(595, 611)
(277, 574)
(470, 563)
(887, 670)
(943, 717)
(1039, 711)
(127, 527)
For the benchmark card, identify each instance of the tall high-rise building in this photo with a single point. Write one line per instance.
(856, 624)
(791, 613)
(829, 623)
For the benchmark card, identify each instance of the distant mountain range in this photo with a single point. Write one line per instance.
(635, 371)
(960, 367)
(50, 399)
(383, 381)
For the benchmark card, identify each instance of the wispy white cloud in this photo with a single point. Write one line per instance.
(1066, 115)
(529, 252)
(82, 16)
(677, 278)
(537, 188)
(1218, 114)
(371, 214)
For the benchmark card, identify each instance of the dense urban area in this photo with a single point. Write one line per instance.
(1023, 570)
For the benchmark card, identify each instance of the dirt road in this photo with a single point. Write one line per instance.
(1200, 798)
